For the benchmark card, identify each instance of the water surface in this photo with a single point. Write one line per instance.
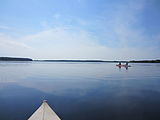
(80, 91)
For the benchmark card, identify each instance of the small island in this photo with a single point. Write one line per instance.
(14, 59)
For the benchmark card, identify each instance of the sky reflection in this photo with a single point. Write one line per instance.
(80, 91)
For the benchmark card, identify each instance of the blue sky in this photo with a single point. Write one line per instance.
(80, 29)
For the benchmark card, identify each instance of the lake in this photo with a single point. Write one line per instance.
(80, 91)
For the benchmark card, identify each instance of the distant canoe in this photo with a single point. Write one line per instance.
(123, 65)
(44, 112)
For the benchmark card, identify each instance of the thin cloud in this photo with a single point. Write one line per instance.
(5, 27)
(9, 46)
(67, 43)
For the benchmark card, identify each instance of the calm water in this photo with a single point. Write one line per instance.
(80, 91)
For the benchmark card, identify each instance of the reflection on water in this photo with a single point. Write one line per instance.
(80, 91)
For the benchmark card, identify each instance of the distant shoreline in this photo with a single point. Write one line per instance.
(133, 61)
(29, 59)
(14, 59)
(145, 61)
(70, 61)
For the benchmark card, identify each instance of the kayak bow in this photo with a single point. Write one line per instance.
(44, 112)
